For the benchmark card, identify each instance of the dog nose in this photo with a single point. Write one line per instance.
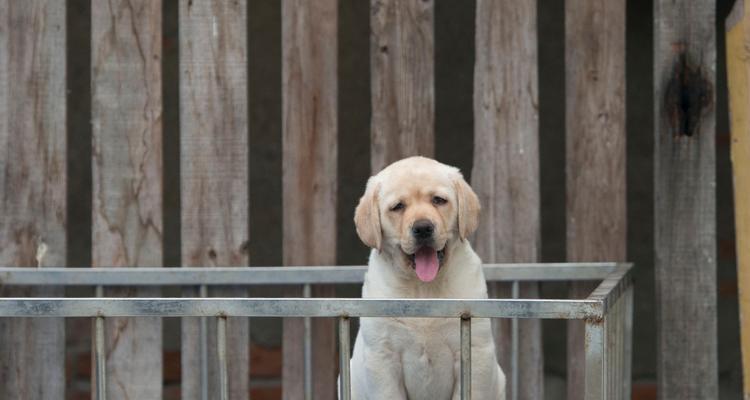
(422, 229)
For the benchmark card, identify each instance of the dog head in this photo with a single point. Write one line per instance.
(413, 210)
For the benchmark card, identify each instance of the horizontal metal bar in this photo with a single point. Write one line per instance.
(296, 307)
(613, 286)
(119, 276)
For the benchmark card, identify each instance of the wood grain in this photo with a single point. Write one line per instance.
(402, 70)
(214, 172)
(127, 179)
(685, 199)
(506, 168)
(738, 74)
(309, 92)
(32, 188)
(595, 148)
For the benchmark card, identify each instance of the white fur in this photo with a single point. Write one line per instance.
(419, 358)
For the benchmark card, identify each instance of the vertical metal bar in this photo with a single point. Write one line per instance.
(100, 352)
(610, 349)
(596, 360)
(345, 388)
(612, 352)
(203, 292)
(514, 348)
(465, 358)
(619, 379)
(101, 373)
(628, 343)
(221, 351)
(307, 292)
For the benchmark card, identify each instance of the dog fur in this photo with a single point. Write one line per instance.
(419, 358)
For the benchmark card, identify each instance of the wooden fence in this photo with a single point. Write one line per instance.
(128, 176)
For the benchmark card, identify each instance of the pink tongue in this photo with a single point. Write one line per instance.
(426, 261)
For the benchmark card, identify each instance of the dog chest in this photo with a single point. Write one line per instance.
(428, 356)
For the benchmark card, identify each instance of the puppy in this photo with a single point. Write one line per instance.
(416, 215)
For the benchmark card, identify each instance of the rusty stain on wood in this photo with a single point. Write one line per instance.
(309, 124)
(214, 173)
(127, 176)
(688, 94)
(32, 188)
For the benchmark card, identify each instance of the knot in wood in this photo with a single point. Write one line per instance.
(687, 96)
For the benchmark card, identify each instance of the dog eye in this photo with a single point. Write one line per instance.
(398, 207)
(438, 201)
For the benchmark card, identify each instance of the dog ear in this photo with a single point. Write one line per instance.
(367, 217)
(468, 208)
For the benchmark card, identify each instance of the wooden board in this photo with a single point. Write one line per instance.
(685, 199)
(738, 75)
(506, 168)
(595, 148)
(402, 76)
(309, 124)
(127, 229)
(214, 173)
(32, 188)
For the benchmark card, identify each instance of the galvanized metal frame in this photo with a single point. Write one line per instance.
(607, 312)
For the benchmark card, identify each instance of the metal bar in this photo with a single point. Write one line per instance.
(465, 358)
(611, 348)
(620, 345)
(596, 360)
(203, 293)
(345, 388)
(307, 343)
(100, 359)
(628, 342)
(145, 276)
(612, 287)
(291, 307)
(514, 347)
(221, 351)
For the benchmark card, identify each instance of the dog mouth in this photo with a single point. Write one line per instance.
(426, 262)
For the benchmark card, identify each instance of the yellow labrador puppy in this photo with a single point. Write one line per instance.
(416, 215)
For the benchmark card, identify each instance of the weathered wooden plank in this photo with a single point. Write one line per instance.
(738, 75)
(309, 123)
(127, 230)
(214, 172)
(402, 68)
(595, 148)
(506, 168)
(32, 187)
(685, 198)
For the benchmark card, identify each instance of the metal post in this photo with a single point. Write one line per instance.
(203, 292)
(514, 348)
(628, 342)
(101, 373)
(221, 350)
(619, 343)
(596, 360)
(306, 293)
(611, 364)
(345, 388)
(465, 358)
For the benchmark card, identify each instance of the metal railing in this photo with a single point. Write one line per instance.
(607, 311)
